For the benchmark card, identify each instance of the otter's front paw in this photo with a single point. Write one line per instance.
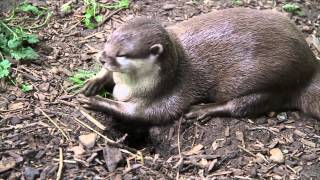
(93, 102)
(92, 87)
(199, 112)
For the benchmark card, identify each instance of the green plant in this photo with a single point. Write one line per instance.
(293, 8)
(80, 77)
(92, 17)
(26, 87)
(29, 8)
(237, 2)
(16, 42)
(4, 68)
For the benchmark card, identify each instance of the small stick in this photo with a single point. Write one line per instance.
(87, 126)
(55, 124)
(295, 172)
(60, 164)
(92, 119)
(109, 141)
(247, 151)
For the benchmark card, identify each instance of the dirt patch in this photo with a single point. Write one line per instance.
(282, 146)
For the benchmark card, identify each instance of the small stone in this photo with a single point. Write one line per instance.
(78, 150)
(112, 157)
(282, 116)
(168, 7)
(12, 97)
(88, 140)
(309, 157)
(276, 155)
(307, 29)
(15, 120)
(31, 173)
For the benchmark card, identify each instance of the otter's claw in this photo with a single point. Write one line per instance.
(198, 114)
(89, 102)
(92, 87)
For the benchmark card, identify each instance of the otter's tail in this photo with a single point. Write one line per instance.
(309, 101)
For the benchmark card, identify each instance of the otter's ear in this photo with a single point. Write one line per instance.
(156, 49)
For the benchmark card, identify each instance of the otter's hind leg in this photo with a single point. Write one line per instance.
(245, 106)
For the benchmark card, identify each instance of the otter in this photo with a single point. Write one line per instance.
(238, 62)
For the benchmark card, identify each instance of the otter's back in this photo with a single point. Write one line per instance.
(240, 48)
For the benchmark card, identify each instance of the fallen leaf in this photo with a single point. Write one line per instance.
(195, 150)
(276, 155)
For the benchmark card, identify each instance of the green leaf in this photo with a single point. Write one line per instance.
(32, 38)
(4, 68)
(81, 76)
(26, 53)
(26, 87)
(290, 7)
(3, 41)
(14, 43)
(99, 18)
(26, 7)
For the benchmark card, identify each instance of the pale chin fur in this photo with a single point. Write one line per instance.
(137, 77)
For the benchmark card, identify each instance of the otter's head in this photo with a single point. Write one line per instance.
(140, 45)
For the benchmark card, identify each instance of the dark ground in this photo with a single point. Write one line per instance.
(278, 146)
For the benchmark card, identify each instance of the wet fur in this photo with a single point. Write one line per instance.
(244, 62)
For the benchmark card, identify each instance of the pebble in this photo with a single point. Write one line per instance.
(168, 7)
(276, 155)
(31, 173)
(15, 120)
(309, 157)
(88, 140)
(307, 29)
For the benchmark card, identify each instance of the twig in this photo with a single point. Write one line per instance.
(60, 164)
(295, 172)
(109, 16)
(55, 124)
(109, 141)
(44, 23)
(92, 119)
(179, 148)
(247, 151)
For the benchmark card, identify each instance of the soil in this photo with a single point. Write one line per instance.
(38, 128)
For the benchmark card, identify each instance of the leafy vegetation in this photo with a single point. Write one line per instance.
(4, 68)
(16, 42)
(80, 77)
(92, 17)
(293, 8)
(26, 87)
(16, 39)
(237, 2)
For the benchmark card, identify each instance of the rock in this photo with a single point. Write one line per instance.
(282, 116)
(309, 157)
(31, 173)
(168, 7)
(88, 140)
(276, 155)
(307, 29)
(112, 156)
(15, 120)
(77, 150)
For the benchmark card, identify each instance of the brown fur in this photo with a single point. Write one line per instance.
(242, 62)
